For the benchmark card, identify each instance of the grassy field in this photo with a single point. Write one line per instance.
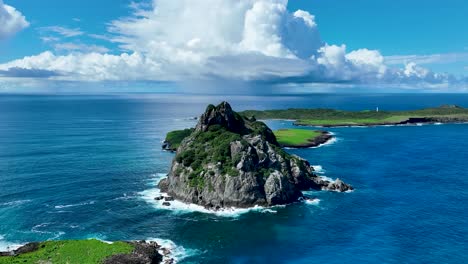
(331, 117)
(71, 252)
(295, 137)
(351, 121)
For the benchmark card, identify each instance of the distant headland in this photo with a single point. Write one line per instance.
(337, 118)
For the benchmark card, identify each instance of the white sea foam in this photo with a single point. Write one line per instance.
(57, 235)
(39, 229)
(177, 253)
(328, 143)
(102, 240)
(8, 246)
(73, 205)
(184, 208)
(318, 169)
(124, 197)
(314, 201)
(14, 203)
(97, 236)
(35, 229)
(327, 178)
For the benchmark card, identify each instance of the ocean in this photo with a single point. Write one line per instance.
(86, 166)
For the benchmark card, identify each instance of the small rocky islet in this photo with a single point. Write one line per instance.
(230, 160)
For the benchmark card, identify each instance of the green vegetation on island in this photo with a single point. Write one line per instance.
(331, 117)
(213, 146)
(73, 251)
(174, 138)
(297, 138)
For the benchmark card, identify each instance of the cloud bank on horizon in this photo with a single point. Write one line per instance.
(257, 41)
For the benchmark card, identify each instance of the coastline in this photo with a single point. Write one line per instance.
(151, 251)
(324, 138)
(316, 117)
(410, 122)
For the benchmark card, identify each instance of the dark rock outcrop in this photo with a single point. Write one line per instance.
(30, 247)
(167, 146)
(144, 253)
(338, 186)
(232, 161)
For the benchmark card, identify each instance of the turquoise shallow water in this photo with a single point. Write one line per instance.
(75, 167)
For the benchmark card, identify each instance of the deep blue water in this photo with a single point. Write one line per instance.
(75, 167)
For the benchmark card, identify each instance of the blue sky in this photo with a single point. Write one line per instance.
(410, 44)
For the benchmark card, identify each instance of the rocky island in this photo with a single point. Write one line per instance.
(229, 160)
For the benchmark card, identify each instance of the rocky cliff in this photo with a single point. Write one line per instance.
(232, 161)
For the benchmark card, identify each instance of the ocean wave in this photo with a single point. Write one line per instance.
(124, 197)
(177, 253)
(327, 179)
(328, 143)
(15, 203)
(74, 205)
(8, 246)
(35, 229)
(97, 236)
(53, 235)
(318, 169)
(57, 235)
(185, 208)
(314, 201)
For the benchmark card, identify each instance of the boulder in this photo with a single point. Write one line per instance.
(339, 186)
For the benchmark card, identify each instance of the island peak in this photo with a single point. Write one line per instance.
(221, 115)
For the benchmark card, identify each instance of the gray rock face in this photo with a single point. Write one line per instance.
(221, 115)
(253, 169)
(338, 186)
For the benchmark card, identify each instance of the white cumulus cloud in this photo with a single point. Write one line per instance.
(241, 40)
(11, 21)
